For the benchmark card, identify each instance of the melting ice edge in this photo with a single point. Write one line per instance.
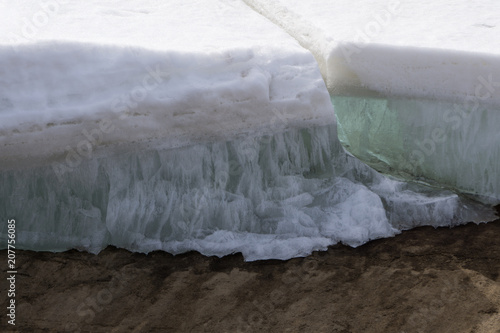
(267, 196)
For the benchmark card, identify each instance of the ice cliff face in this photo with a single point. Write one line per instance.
(173, 126)
(274, 196)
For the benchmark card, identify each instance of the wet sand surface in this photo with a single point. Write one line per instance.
(423, 280)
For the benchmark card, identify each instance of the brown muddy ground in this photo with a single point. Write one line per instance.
(424, 280)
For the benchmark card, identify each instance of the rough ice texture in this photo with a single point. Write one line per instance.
(276, 196)
(422, 80)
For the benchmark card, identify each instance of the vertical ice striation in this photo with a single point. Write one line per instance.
(271, 196)
(54, 215)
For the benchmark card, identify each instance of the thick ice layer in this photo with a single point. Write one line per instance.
(423, 79)
(274, 196)
(173, 73)
(446, 144)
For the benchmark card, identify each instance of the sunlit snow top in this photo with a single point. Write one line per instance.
(434, 49)
(190, 26)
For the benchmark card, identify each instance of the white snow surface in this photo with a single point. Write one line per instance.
(172, 72)
(412, 48)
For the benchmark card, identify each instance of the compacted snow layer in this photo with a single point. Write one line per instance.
(157, 73)
(428, 49)
(183, 126)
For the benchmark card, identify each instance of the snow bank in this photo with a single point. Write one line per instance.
(183, 125)
(158, 74)
(415, 84)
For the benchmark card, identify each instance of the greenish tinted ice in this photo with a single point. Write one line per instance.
(451, 145)
(267, 196)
